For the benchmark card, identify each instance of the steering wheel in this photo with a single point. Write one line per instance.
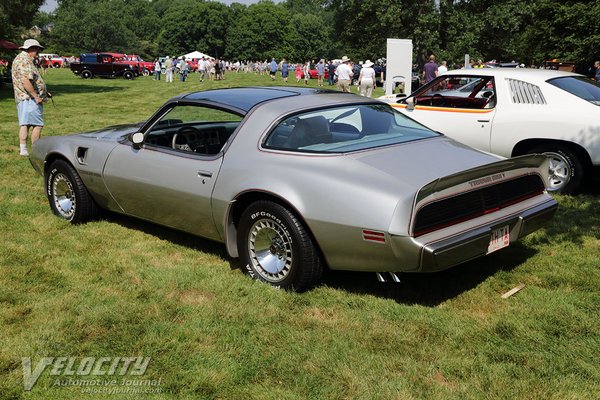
(440, 102)
(180, 139)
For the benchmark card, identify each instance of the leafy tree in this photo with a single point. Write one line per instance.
(262, 33)
(310, 38)
(16, 16)
(92, 26)
(192, 25)
(363, 27)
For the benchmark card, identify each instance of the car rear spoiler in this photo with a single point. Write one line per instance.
(485, 175)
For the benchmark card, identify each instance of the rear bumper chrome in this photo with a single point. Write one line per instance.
(474, 243)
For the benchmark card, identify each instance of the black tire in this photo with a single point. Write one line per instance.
(128, 75)
(146, 72)
(87, 74)
(67, 195)
(567, 171)
(275, 248)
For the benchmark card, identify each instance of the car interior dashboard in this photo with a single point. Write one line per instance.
(195, 137)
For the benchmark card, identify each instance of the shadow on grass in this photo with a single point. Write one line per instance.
(169, 234)
(431, 289)
(424, 289)
(577, 217)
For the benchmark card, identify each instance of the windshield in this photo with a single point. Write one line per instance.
(345, 129)
(579, 86)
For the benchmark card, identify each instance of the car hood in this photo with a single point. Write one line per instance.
(112, 133)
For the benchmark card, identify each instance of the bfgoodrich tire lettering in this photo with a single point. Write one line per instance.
(67, 195)
(275, 247)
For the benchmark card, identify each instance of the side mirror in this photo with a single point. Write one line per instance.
(137, 139)
(410, 103)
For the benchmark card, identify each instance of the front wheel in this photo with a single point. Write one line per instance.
(128, 75)
(566, 170)
(86, 74)
(67, 195)
(275, 248)
(146, 72)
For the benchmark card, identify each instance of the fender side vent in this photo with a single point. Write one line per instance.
(81, 155)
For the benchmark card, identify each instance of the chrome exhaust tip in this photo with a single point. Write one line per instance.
(381, 277)
(395, 277)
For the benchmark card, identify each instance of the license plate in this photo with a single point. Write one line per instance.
(500, 239)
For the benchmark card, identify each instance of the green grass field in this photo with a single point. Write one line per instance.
(119, 287)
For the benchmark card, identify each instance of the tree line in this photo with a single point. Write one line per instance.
(528, 31)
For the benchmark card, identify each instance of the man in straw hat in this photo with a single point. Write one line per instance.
(30, 93)
(344, 74)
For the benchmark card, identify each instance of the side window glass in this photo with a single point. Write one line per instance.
(460, 92)
(193, 129)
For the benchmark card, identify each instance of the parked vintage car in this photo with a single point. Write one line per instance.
(294, 180)
(103, 64)
(145, 67)
(519, 111)
(53, 60)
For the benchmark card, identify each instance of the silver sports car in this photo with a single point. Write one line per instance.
(295, 180)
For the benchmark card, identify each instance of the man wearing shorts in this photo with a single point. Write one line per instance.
(273, 69)
(30, 94)
(344, 74)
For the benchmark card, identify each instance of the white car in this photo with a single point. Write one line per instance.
(512, 112)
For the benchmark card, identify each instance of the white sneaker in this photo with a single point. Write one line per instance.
(24, 153)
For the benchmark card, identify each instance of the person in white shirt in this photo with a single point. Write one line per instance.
(443, 68)
(202, 69)
(366, 79)
(169, 70)
(344, 74)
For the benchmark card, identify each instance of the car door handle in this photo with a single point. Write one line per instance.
(483, 120)
(204, 174)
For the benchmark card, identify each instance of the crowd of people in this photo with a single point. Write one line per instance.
(341, 73)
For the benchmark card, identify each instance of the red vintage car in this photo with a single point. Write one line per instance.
(147, 67)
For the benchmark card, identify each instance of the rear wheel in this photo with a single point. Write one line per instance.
(145, 72)
(86, 74)
(67, 195)
(566, 170)
(275, 248)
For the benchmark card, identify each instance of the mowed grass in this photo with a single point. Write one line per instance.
(119, 287)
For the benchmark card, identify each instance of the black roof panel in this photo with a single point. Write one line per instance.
(245, 98)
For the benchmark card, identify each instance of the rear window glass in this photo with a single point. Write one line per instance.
(345, 129)
(579, 86)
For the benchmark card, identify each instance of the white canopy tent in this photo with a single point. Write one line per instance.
(196, 54)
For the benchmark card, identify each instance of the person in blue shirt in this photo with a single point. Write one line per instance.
(320, 67)
(273, 69)
(285, 70)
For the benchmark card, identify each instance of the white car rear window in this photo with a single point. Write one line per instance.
(579, 86)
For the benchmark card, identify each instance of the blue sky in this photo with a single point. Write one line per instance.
(50, 5)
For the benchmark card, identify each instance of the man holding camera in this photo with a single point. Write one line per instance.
(30, 93)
